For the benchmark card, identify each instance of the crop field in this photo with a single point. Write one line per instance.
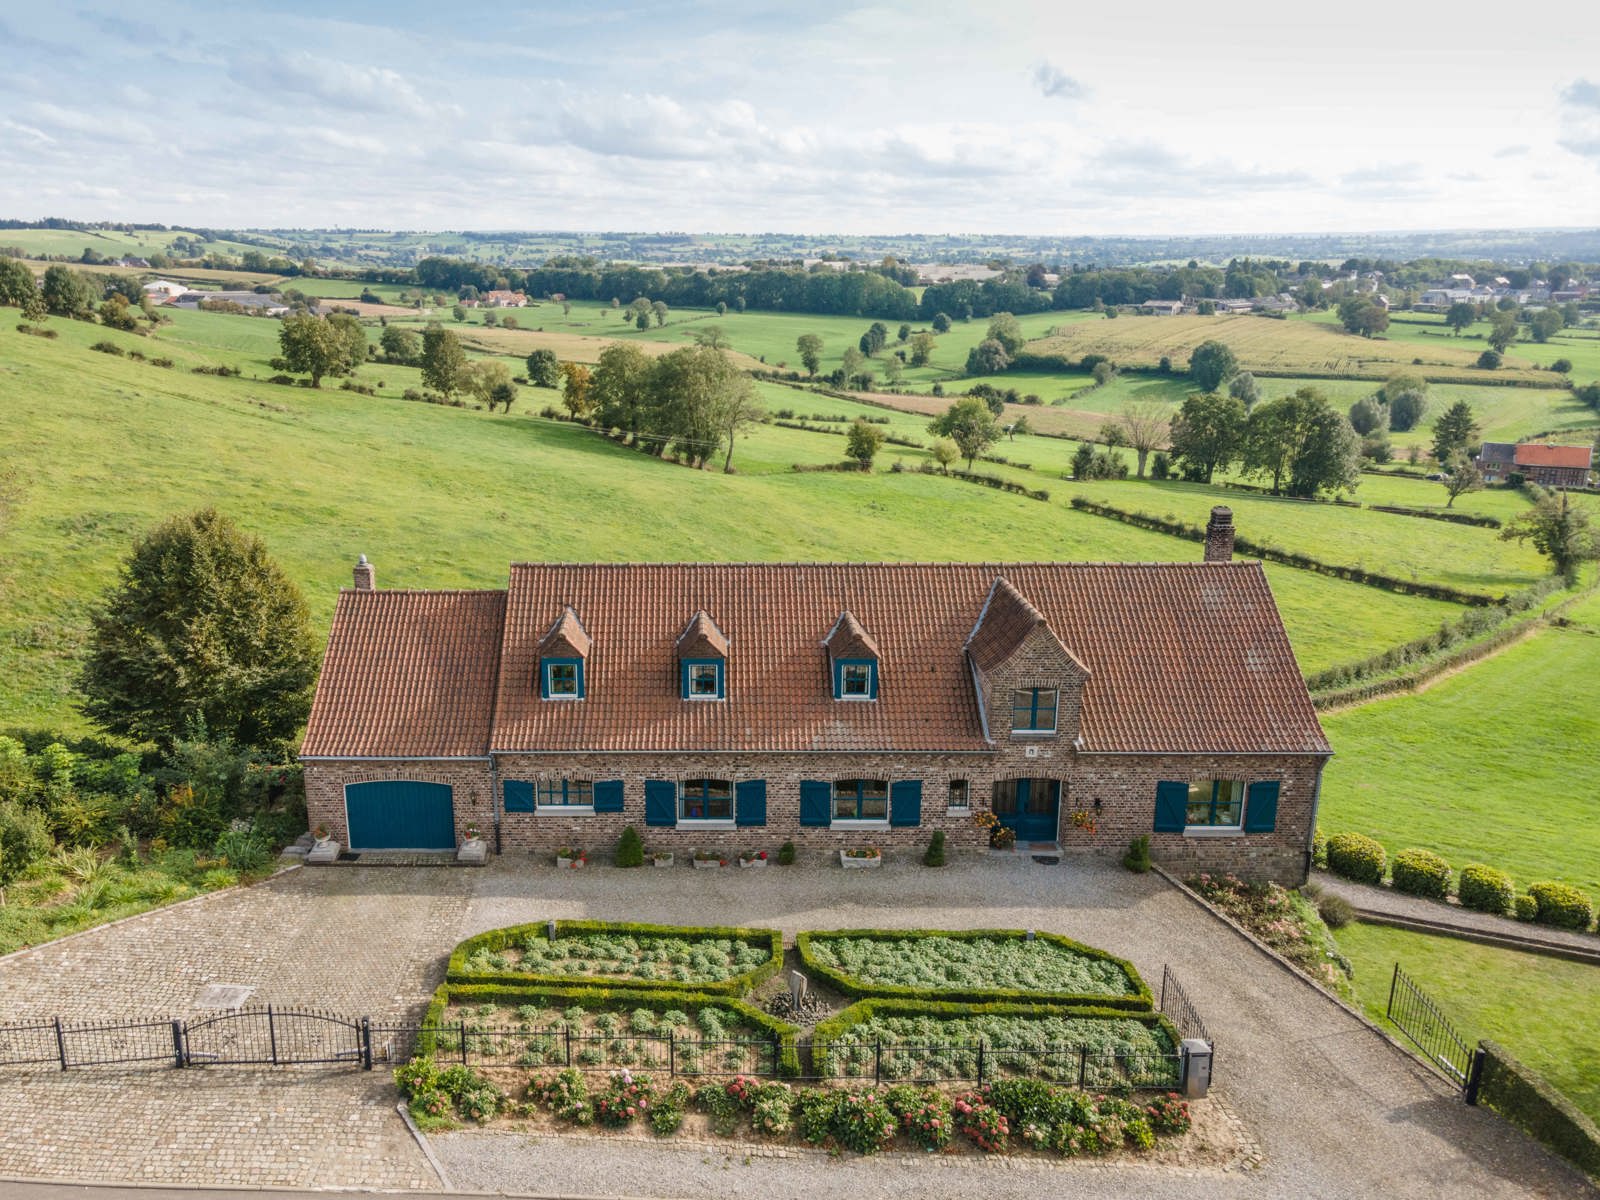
(1493, 765)
(106, 447)
(1581, 345)
(1261, 343)
(1543, 1010)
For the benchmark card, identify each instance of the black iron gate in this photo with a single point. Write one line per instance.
(275, 1037)
(1424, 1024)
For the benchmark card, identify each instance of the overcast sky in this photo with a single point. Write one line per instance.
(1050, 118)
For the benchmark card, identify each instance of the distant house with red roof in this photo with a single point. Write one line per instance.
(500, 298)
(828, 704)
(1546, 465)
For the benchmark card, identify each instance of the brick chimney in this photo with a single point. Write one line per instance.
(366, 577)
(1219, 535)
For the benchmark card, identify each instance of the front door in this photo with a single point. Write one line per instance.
(1032, 807)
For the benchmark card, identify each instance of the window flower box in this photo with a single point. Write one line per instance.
(567, 857)
(753, 858)
(709, 860)
(861, 858)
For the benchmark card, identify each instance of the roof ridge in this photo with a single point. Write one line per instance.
(964, 564)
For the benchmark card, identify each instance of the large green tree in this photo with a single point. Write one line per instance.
(1302, 441)
(809, 346)
(1454, 431)
(65, 293)
(969, 423)
(1363, 315)
(1208, 434)
(621, 387)
(1211, 365)
(1007, 330)
(544, 369)
(1558, 530)
(319, 346)
(400, 346)
(17, 285)
(1459, 315)
(202, 634)
(444, 362)
(701, 401)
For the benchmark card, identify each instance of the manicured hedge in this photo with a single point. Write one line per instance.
(1526, 1099)
(1421, 873)
(1561, 905)
(829, 1031)
(618, 999)
(500, 939)
(1137, 1000)
(1357, 856)
(1485, 889)
(1525, 907)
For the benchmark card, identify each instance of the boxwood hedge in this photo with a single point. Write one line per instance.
(1561, 905)
(1357, 856)
(1485, 889)
(1421, 873)
(614, 999)
(1137, 999)
(499, 939)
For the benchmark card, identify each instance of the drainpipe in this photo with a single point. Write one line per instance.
(1316, 801)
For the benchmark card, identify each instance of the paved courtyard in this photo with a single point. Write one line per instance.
(1334, 1108)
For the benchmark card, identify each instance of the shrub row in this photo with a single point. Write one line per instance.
(499, 939)
(1431, 514)
(1526, 1099)
(1005, 485)
(1345, 684)
(862, 1011)
(1481, 888)
(1288, 558)
(849, 468)
(1139, 999)
(616, 998)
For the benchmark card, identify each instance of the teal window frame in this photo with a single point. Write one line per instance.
(854, 794)
(563, 793)
(842, 668)
(547, 669)
(705, 793)
(1207, 797)
(686, 675)
(1026, 714)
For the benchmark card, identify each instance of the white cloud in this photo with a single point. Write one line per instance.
(1056, 83)
(343, 85)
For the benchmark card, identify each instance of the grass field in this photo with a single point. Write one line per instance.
(440, 497)
(1493, 765)
(1543, 1010)
(110, 242)
(1581, 346)
(1260, 343)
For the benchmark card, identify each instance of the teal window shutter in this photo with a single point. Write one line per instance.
(1172, 802)
(660, 802)
(750, 802)
(816, 798)
(608, 796)
(905, 802)
(518, 794)
(1261, 807)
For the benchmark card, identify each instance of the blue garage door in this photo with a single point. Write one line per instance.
(400, 815)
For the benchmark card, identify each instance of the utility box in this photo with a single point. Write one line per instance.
(1196, 1068)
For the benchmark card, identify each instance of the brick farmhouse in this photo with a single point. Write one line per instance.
(1546, 465)
(738, 706)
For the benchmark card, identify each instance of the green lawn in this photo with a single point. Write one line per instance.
(443, 497)
(1496, 764)
(1544, 1010)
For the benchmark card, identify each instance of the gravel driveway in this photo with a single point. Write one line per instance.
(1336, 1110)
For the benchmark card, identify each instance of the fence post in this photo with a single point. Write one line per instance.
(1083, 1066)
(672, 1057)
(177, 1044)
(1475, 1075)
(877, 1061)
(1161, 1005)
(366, 1043)
(61, 1044)
(777, 1055)
(567, 1030)
(463, 1042)
(980, 1062)
(272, 1035)
(1394, 982)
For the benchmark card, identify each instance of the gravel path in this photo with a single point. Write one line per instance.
(1387, 902)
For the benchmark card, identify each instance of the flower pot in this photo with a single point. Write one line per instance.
(752, 862)
(661, 860)
(569, 862)
(707, 864)
(323, 850)
(859, 864)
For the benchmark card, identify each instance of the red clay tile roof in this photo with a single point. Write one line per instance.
(566, 637)
(1184, 657)
(1532, 454)
(702, 639)
(848, 640)
(1005, 623)
(408, 675)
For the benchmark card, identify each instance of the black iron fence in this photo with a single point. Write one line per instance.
(1176, 1006)
(1424, 1024)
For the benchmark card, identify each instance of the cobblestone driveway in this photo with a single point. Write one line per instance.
(1336, 1110)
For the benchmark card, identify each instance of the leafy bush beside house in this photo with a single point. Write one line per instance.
(1421, 873)
(1357, 857)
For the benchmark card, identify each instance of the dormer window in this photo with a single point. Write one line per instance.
(852, 659)
(702, 660)
(563, 654)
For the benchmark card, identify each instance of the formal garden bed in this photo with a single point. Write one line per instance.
(976, 964)
(730, 961)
